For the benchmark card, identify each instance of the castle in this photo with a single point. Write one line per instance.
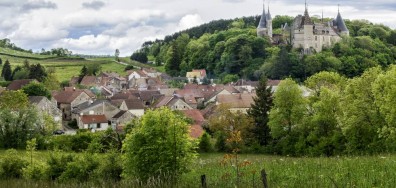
(304, 33)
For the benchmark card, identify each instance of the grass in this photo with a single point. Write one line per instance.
(15, 53)
(361, 171)
(65, 68)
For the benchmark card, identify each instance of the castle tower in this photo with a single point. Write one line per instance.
(339, 24)
(308, 30)
(265, 25)
(269, 23)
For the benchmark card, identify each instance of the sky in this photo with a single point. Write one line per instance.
(98, 27)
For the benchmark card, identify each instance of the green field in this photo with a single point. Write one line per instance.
(363, 171)
(65, 68)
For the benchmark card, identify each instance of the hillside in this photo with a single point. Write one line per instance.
(231, 48)
(65, 67)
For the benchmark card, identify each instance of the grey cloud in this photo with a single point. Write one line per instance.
(361, 5)
(40, 4)
(96, 5)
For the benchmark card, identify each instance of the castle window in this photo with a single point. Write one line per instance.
(316, 38)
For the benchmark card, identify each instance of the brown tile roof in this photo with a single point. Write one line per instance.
(88, 119)
(201, 71)
(74, 81)
(168, 92)
(163, 101)
(190, 99)
(196, 131)
(194, 114)
(35, 99)
(119, 114)
(18, 84)
(117, 102)
(66, 96)
(148, 95)
(134, 104)
(123, 96)
(189, 92)
(273, 82)
(88, 81)
(237, 100)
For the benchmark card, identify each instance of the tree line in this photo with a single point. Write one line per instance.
(235, 50)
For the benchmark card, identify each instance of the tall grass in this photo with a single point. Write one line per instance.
(346, 171)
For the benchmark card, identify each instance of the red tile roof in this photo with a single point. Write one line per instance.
(18, 84)
(196, 131)
(88, 81)
(237, 100)
(194, 114)
(88, 119)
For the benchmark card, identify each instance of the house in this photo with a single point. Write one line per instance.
(74, 81)
(46, 106)
(18, 84)
(238, 102)
(173, 102)
(168, 92)
(196, 129)
(149, 97)
(134, 106)
(121, 118)
(93, 122)
(89, 81)
(193, 97)
(66, 100)
(136, 74)
(150, 72)
(138, 84)
(98, 107)
(196, 75)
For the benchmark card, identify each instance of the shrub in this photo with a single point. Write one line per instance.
(57, 164)
(11, 165)
(36, 171)
(110, 168)
(81, 169)
(204, 144)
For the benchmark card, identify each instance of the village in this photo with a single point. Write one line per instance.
(111, 101)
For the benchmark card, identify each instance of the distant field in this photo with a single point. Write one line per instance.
(363, 171)
(7, 51)
(67, 67)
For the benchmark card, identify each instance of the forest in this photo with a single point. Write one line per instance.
(231, 47)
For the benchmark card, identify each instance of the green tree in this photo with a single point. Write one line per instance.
(6, 72)
(205, 144)
(117, 55)
(51, 82)
(93, 69)
(36, 89)
(13, 100)
(287, 115)
(259, 112)
(37, 72)
(1, 61)
(158, 147)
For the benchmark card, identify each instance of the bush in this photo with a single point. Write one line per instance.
(204, 144)
(57, 164)
(36, 171)
(81, 169)
(110, 168)
(11, 165)
(128, 67)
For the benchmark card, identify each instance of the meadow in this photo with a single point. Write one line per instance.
(282, 171)
(65, 68)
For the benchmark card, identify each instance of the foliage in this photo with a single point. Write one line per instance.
(139, 56)
(6, 72)
(38, 72)
(80, 169)
(11, 165)
(110, 169)
(13, 100)
(36, 89)
(226, 122)
(259, 112)
(158, 146)
(205, 144)
(51, 82)
(57, 164)
(18, 126)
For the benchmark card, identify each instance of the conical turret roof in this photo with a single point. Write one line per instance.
(307, 20)
(269, 17)
(263, 19)
(340, 23)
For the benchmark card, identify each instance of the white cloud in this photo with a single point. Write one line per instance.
(189, 21)
(101, 26)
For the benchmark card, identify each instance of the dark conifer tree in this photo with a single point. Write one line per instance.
(259, 112)
(7, 72)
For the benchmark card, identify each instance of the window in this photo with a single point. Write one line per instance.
(316, 38)
(98, 125)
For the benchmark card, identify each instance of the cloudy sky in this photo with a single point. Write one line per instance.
(101, 26)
